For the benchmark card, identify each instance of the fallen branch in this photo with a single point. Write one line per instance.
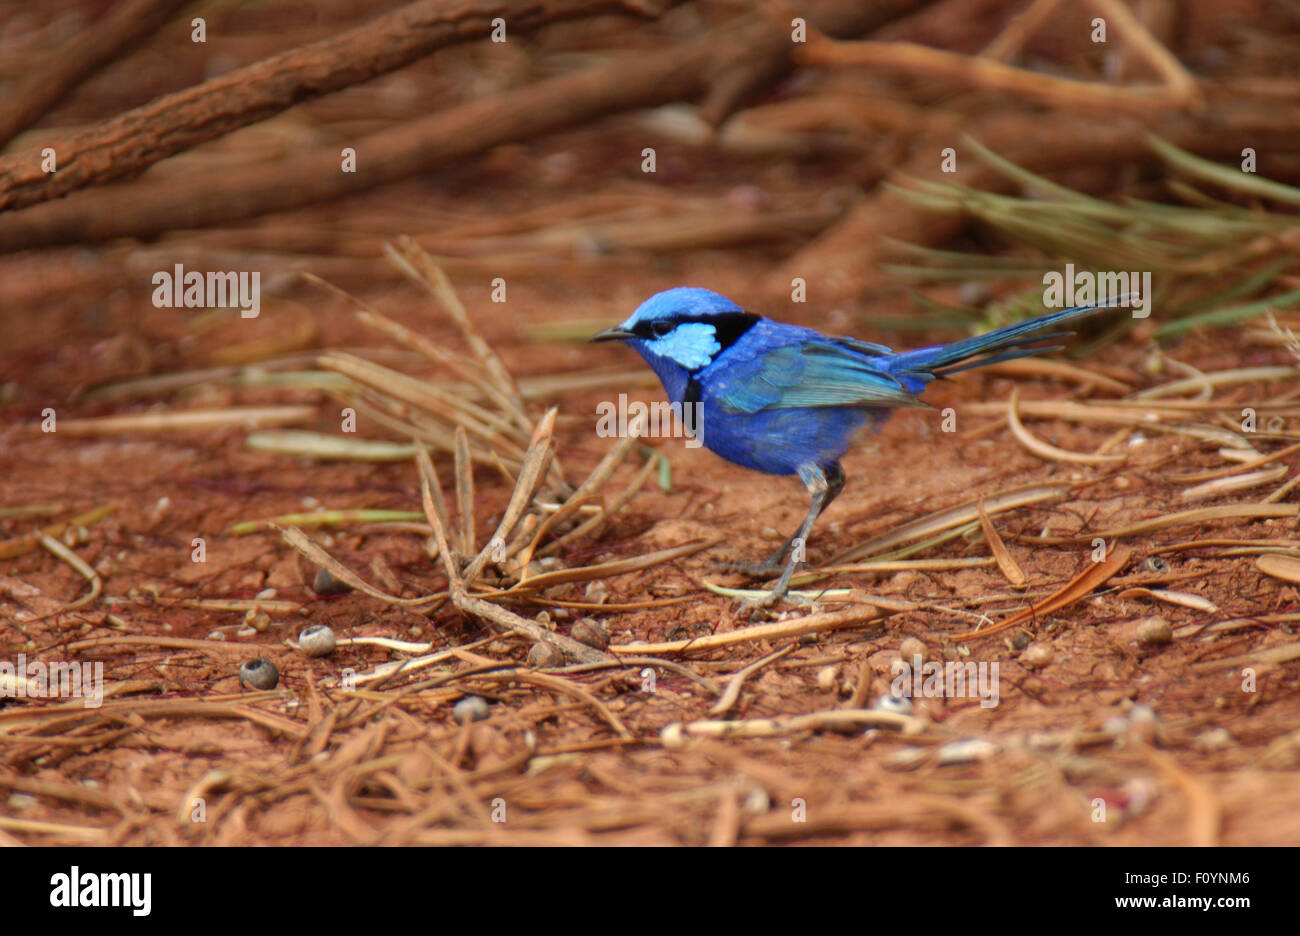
(100, 43)
(126, 145)
(652, 78)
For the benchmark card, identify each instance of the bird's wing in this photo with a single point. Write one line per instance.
(807, 373)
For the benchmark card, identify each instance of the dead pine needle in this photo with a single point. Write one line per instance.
(1014, 574)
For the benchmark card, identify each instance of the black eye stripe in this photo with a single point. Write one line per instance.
(727, 327)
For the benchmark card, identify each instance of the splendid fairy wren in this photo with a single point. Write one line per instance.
(787, 400)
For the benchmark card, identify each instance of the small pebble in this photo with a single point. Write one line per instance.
(597, 592)
(1116, 726)
(1154, 564)
(673, 735)
(827, 676)
(966, 751)
(592, 633)
(1037, 655)
(756, 802)
(911, 648)
(1139, 793)
(317, 640)
(907, 757)
(544, 656)
(469, 709)
(1144, 723)
(21, 801)
(1153, 631)
(899, 705)
(259, 674)
(1216, 739)
(326, 584)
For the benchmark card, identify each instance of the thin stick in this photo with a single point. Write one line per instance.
(809, 624)
(1014, 574)
(1043, 449)
(72, 559)
(477, 606)
(731, 695)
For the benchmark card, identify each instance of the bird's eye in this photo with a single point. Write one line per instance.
(659, 329)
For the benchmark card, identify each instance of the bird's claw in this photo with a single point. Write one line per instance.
(761, 606)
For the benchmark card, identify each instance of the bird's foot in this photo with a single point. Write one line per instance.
(758, 608)
(762, 605)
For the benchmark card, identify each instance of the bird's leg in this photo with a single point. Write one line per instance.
(768, 567)
(823, 485)
(830, 486)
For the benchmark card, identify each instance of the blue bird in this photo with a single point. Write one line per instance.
(787, 400)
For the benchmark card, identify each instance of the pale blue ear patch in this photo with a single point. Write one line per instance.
(691, 345)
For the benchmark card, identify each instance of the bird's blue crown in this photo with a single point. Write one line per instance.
(687, 325)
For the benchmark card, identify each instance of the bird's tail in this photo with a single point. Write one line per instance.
(1001, 344)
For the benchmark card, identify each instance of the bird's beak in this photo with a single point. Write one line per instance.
(616, 333)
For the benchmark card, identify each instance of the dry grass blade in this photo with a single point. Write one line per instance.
(1234, 483)
(731, 695)
(80, 833)
(326, 447)
(1091, 578)
(1182, 518)
(20, 545)
(464, 492)
(832, 719)
(957, 516)
(477, 606)
(72, 559)
(608, 569)
(531, 472)
(549, 681)
(187, 420)
(217, 647)
(594, 524)
(894, 565)
(432, 500)
(1185, 599)
(301, 542)
(1043, 449)
(454, 363)
(589, 488)
(1247, 463)
(1218, 379)
(1271, 655)
(795, 627)
(411, 259)
(1005, 562)
(1063, 370)
(1286, 568)
(429, 397)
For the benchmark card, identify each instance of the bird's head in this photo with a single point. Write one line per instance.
(687, 327)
